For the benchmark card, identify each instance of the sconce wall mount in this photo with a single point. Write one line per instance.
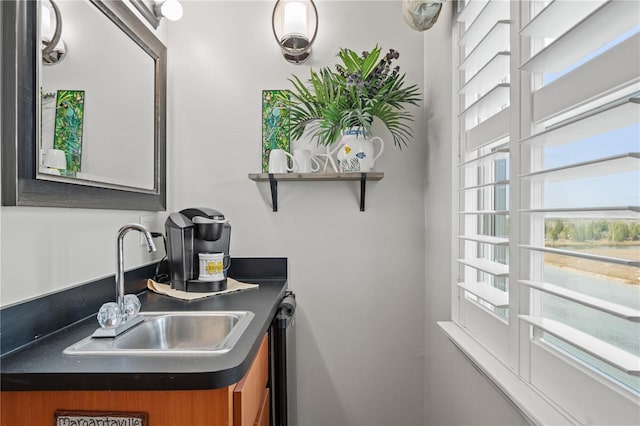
(295, 25)
(53, 48)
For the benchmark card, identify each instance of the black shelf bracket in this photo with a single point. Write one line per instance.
(274, 191)
(363, 187)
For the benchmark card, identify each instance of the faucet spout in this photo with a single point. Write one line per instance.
(120, 258)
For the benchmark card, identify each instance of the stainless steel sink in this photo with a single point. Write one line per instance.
(207, 332)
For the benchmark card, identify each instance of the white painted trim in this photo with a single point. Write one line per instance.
(533, 406)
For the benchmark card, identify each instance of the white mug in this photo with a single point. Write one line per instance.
(212, 266)
(303, 161)
(278, 161)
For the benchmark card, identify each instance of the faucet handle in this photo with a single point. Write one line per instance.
(109, 315)
(131, 305)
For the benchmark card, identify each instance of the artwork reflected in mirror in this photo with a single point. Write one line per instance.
(97, 100)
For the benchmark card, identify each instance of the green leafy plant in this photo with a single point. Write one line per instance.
(361, 88)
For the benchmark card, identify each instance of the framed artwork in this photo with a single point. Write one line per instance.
(275, 124)
(68, 126)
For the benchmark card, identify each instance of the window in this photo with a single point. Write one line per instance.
(549, 197)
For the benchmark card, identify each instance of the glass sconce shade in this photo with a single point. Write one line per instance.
(170, 9)
(295, 25)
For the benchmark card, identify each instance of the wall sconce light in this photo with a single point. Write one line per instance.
(53, 48)
(295, 25)
(170, 9)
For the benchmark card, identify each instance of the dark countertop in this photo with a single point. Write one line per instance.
(41, 365)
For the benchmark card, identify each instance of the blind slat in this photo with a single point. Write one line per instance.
(558, 17)
(581, 86)
(490, 130)
(618, 212)
(582, 255)
(604, 351)
(488, 293)
(484, 185)
(493, 11)
(586, 300)
(471, 10)
(599, 167)
(486, 239)
(497, 40)
(588, 35)
(489, 157)
(484, 212)
(489, 76)
(494, 268)
(615, 115)
(490, 104)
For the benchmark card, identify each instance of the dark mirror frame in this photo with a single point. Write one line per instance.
(19, 116)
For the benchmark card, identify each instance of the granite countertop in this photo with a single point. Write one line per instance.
(41, 365)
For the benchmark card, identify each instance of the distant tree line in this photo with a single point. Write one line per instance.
(596, 230)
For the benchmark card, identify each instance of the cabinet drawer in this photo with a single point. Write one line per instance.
(248, 394)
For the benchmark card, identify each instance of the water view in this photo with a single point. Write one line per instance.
(617, 331)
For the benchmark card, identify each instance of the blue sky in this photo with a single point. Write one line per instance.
(618, 189)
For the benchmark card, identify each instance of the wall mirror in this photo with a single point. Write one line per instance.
(89, 130)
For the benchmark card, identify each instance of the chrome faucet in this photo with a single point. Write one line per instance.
(120, 258)
(112, 316)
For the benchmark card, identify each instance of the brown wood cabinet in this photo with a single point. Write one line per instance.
(245, 403)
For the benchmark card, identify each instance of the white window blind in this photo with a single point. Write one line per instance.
(484, 95)
(581, 167)
(548, 99)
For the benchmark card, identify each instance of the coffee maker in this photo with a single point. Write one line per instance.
(191, 232)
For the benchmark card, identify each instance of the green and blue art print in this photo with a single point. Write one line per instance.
(68, 127)
(275, 123)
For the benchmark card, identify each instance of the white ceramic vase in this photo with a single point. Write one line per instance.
(355, 153)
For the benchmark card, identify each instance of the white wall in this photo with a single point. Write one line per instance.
(358, 275)
(455, 393)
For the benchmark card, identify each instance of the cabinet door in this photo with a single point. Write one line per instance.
(248, 395)
(262, 419)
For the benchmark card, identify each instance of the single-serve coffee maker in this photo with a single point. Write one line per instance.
(198, 249)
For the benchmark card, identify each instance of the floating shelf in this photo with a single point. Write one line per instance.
(273, 179)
